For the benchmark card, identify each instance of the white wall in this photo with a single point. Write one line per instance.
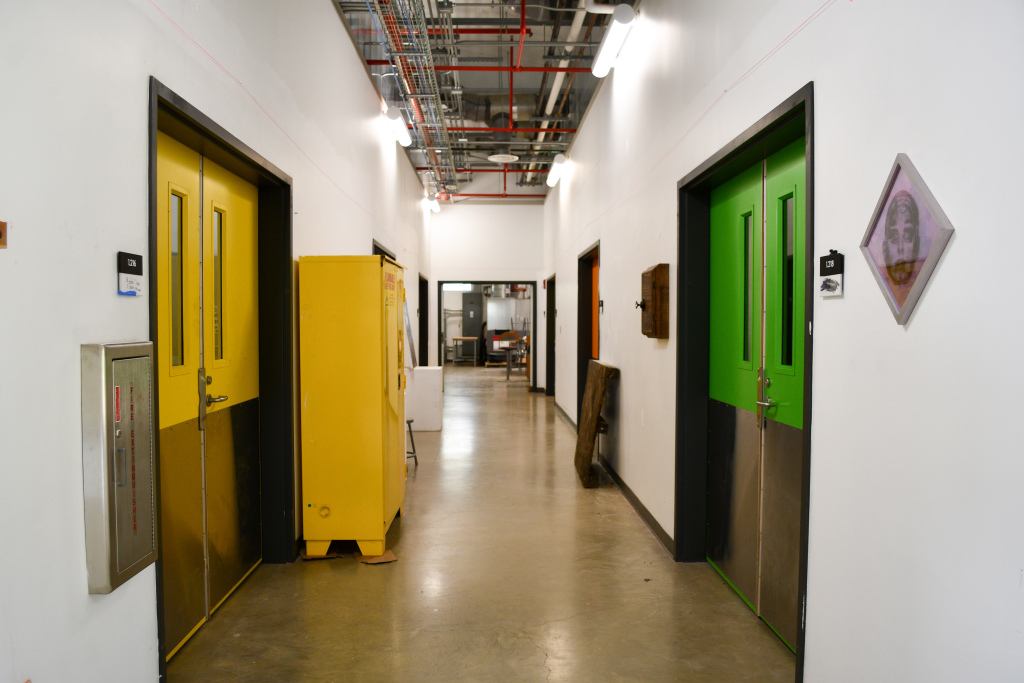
(500, 313)
(74, 188)
(509, 314)
(916, 512)
(484, 242)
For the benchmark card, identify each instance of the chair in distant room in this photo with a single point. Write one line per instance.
(511, 343)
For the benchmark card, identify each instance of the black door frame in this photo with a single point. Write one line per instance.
(422, 320)
(171, 114)
(551, 314)
(584, 318)
(784, 124)
(440, 317)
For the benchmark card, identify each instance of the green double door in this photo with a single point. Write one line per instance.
(756, 385)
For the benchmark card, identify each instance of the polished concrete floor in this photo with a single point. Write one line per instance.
(507, 570)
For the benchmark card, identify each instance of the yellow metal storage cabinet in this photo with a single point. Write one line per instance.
(352, 375)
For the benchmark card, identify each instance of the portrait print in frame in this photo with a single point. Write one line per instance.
(905, 238)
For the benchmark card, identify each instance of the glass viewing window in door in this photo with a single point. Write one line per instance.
(218, 285)
(177, 280)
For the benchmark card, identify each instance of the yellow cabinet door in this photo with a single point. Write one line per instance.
(351, 348)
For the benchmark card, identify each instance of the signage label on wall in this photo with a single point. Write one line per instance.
(830, 275)
(129, 274)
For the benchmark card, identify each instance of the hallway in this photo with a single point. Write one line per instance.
(507, 570)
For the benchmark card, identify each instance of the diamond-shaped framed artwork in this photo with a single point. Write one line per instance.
(905, 238)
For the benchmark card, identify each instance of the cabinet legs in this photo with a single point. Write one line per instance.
(371, 548)
(317, 548)
(367, 548)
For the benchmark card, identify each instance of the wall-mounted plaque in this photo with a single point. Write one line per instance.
(830, 275)
(129, 274)
(654, 302)
(905, 238)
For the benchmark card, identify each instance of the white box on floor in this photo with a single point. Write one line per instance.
(423, 398)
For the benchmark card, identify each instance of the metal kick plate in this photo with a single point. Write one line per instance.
(733, 482)
(181, 531)
(233, 501)
(781, 503)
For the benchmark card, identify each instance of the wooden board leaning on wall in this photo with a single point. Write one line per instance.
(591, 423)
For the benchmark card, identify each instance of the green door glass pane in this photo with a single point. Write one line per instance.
(735, 292)
(785, 295)
(786, 301)
(748, 286)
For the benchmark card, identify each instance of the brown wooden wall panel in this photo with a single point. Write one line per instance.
(654, 293)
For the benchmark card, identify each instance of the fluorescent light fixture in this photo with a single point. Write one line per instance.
(614, 37)
(432, 204)
(457, 287)
(557, 166)
(398, 126)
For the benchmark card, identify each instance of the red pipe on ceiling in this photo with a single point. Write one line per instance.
(485, 31)
(498, 195)
(489, 170)
(523, 69)
(510, 130)
(467, 31)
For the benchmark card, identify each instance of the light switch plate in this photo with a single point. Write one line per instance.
(3, 235)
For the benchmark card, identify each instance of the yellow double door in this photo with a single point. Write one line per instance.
(208, 365)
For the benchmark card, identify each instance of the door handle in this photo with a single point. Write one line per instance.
(767, 403)
(210, 400)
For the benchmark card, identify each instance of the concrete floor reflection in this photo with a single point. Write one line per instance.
(508, 571)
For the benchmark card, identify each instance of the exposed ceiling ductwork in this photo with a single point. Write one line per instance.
(491, 91)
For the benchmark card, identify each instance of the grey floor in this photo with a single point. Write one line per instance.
(507, 570)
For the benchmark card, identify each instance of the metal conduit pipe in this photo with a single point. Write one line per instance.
(556, 86)
(593, 7)
(441, 31)
(522, 35)
(543, 7)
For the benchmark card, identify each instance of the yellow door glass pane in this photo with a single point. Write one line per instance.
(177, 280)
(218, 284)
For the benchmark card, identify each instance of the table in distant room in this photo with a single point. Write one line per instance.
(456, 345)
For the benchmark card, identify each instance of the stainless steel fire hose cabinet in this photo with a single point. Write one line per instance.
(117, 462)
